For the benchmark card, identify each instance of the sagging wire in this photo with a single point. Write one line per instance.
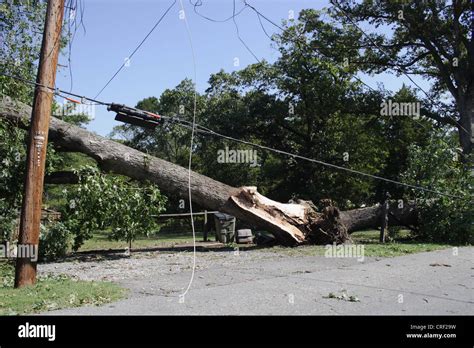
(191, 150)
(136, 49)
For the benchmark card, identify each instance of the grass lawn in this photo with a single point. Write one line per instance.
(100, 241)
(51, 293)
(402, 245)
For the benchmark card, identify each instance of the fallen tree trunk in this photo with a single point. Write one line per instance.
(370, 217)
(290, 223)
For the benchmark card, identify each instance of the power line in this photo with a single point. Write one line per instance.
(137, 48)
(261, 15)
(73, 6)
(353, 171)
(263, 27)
(205, 130)
(56, 91)
(198, 3)
(190, 161)
(238, 34)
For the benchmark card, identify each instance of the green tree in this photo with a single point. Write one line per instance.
(21, 29)
(399, 133)
(100, 202)
(427, 38)
(437, 167)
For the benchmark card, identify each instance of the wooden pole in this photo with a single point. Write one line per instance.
(384, 222)
(205, 230)
(25, 273)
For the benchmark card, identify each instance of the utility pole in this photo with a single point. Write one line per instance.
(25, 273)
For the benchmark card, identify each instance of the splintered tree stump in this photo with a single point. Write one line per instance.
(291, 223)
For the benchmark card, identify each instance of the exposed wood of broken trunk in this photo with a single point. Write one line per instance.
(290, 223)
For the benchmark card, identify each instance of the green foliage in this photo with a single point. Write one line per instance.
(21, 26)
(441, 55)
(443, 219)
(12, 167)
(12, 172)
(55, 240)
(402, 48)
(398, 133)
(102, 202)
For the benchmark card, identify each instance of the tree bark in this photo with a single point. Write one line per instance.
(290, 223)
(466, 129)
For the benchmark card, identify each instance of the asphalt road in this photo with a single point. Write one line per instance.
(256, 282)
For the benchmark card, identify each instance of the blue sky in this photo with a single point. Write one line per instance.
(115, 27)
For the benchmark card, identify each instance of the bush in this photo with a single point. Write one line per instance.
(438, 167)
(448, 221)
(55, 241)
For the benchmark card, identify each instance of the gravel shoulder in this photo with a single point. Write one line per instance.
(259, 282)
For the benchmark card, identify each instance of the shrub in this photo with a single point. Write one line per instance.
(55, 241)
(438, 167)
(102, 201)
